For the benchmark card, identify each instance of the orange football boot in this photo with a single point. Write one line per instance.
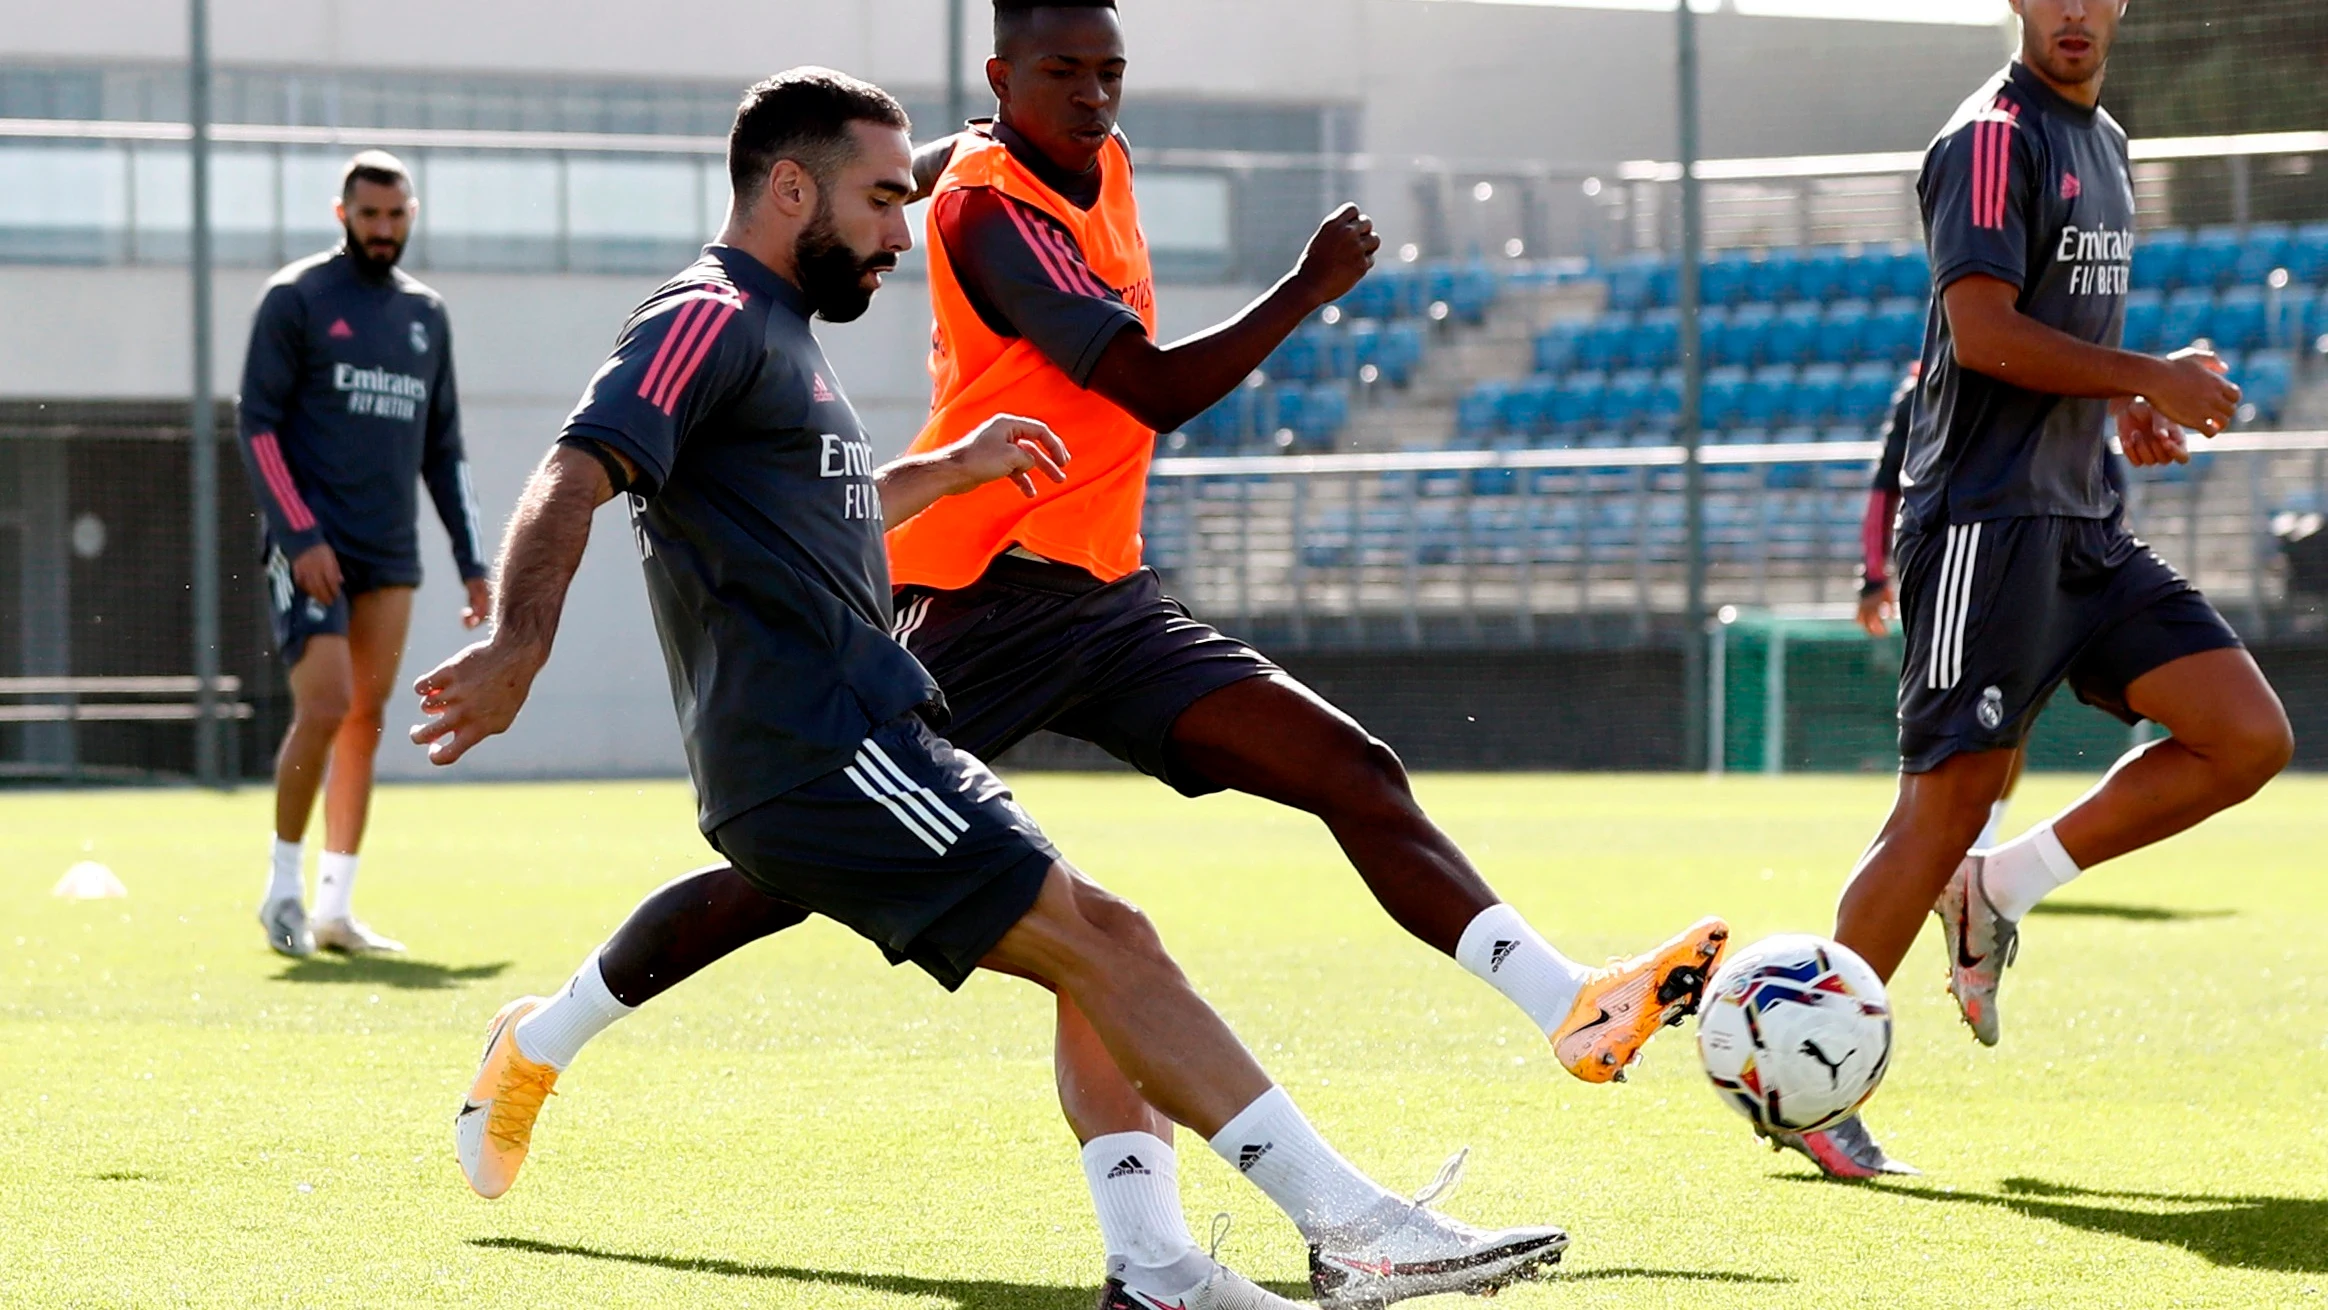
(495, 1126)
(1623, 1005)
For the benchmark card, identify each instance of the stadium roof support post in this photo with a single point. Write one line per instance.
(202, 459)
(1693, 632)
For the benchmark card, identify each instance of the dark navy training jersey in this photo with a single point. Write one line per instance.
(347, 402)
(2031, 189)
(760, 529)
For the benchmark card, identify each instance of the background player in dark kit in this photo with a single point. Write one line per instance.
(809, 729)
(2017, 571)
(348, 400)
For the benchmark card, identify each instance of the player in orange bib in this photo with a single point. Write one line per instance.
(1038, 614)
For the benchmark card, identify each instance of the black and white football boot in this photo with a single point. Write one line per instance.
(1413, 1250)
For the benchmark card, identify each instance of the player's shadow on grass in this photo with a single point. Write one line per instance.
(962, 1294)
(388, 971)
(2126, 913)
(2285, 1234)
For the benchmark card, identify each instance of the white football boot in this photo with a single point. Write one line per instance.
(351, 937)
(1418, 1252)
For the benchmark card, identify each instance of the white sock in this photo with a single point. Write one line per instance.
(556, 1032)
(1279, 1152)
(283, 882)
(335, 885)
(1135, 1187)
(1988, 835)
(2019, 873)
(1515, 959)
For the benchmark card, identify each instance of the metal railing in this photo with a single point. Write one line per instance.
(1499, 548)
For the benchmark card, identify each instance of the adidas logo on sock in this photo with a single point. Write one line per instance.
(1130, 1164)
(1502, 952)
(1251, 1155)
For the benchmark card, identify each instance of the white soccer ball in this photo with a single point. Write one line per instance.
(1795, 1033)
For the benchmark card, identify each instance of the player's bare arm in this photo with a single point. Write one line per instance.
(1005, 446)
(1166, 386)
(477, 693)
(1995, 338)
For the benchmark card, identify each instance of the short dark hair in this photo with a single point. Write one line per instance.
(377, 167)
(803, 114)
(1012, 16)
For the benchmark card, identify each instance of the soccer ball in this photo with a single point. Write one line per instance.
(1795, 1033)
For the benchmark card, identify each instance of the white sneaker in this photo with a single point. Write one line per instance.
(285, 920)
(1423, 1253)
(349, 937)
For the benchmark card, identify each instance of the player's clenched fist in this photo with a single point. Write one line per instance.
(1339, 255)
(474, 695)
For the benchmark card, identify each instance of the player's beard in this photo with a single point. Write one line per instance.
(832, 275)
(369, 262)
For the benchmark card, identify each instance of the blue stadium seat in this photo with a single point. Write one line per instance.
(2239, 319)
(1725, 396)
(2268, 246)
(1823, 275)
(1867, 392)
(1895, 332)
(2308, 254)
(1793, 335)
(1325, 411)
(1739, 342)
(1724, 278)
(1556, 346)
(1911, 275)
(2145, 316)
(1774, 277)
(1601, 346)
(1576, 403)
(1296, 359)
(1850, 432)
(1626, 403)
(1769, 395)
(1818, 395)
(1656, 341)
(2214, 256)
(1665, 400)
(1401, 347)
(1640, 282)
(1841, 331)
(1868, 275)
(1525, 405)
(2190, 313)
(2316, 321)
(2161, 260)
(2267, 377)
(1479, 411)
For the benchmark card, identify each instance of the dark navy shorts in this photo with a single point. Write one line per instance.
(1034, 645)
(1999, 614)
(299, 616)
(913, 845)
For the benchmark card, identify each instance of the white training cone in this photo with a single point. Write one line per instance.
(89, 881)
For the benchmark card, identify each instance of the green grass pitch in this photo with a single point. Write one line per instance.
(186, 1119)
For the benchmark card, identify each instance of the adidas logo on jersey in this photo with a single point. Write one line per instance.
(819, 390)
(1502, 952)
(1127, 1166)
(2071, 188)
(1250, 1155)
(340, 331)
